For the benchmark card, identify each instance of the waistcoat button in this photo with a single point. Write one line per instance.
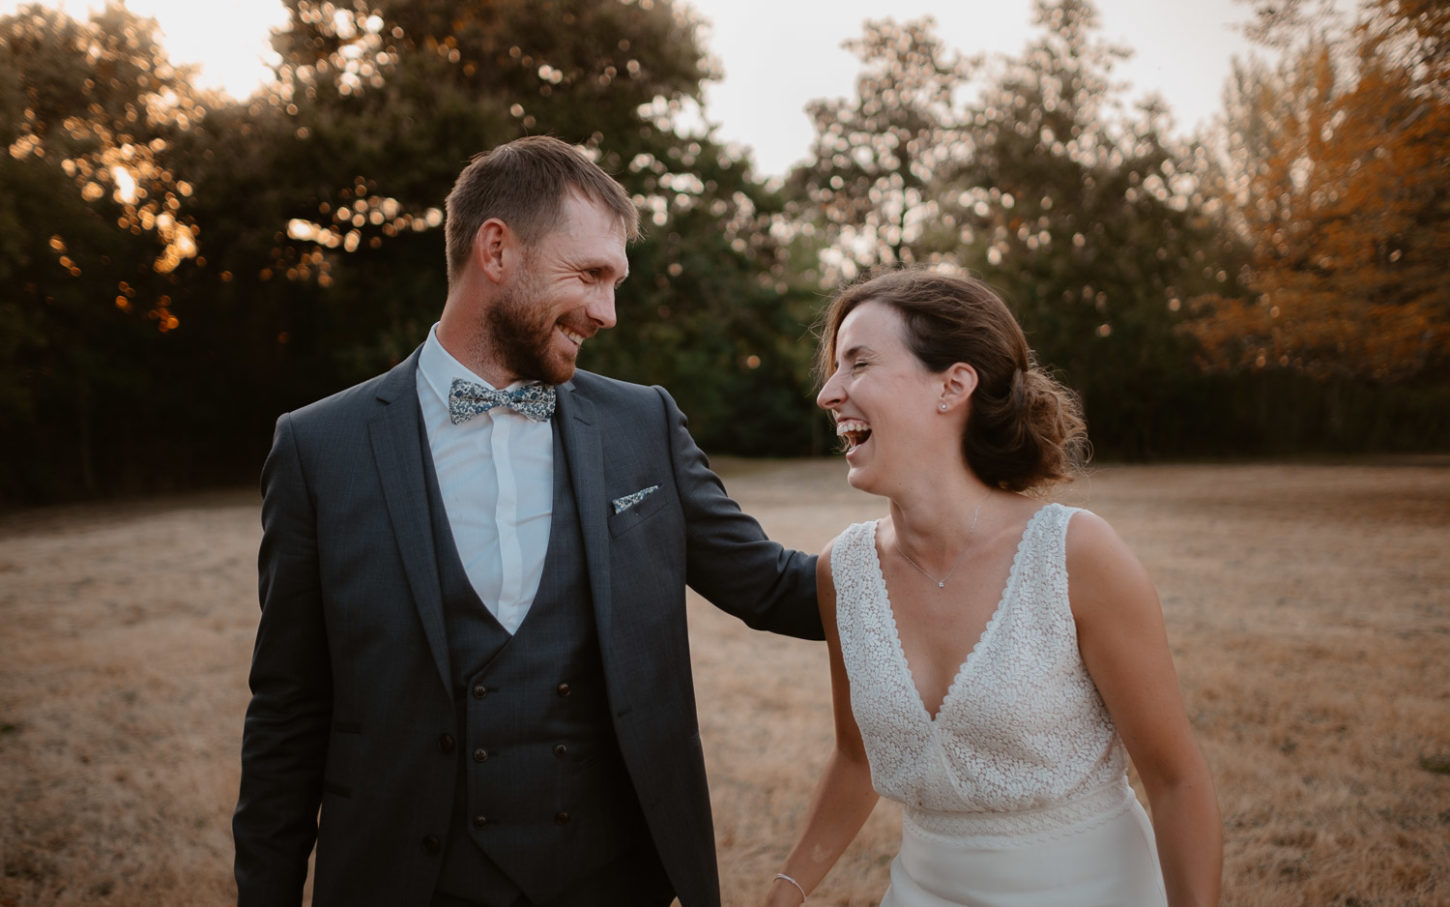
(445, 743)
(561, 818)
(480, 755)
(432, 844)
(561, 750)
(563, 689)
(480, 821)
(479, 691)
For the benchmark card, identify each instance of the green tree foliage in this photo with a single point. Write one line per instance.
(1094, 224)
(874, 178)
(95, 238)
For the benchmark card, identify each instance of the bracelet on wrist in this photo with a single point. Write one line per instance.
(780, 876)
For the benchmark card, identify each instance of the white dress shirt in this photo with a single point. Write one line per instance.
(496, 478)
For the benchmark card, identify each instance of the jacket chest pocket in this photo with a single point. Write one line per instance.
(632, 510)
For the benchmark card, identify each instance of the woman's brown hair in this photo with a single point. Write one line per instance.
(1024, 429)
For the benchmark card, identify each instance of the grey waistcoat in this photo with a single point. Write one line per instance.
(543, 796)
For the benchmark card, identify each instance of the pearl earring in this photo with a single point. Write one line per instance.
(943, 407)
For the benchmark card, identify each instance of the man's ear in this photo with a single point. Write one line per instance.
(958, 382)
(491, 248)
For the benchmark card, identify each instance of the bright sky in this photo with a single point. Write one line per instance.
(780, 54)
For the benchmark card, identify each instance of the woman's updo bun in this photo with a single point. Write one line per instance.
(1024, 429)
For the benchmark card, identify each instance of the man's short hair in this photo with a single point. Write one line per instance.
(523, 183)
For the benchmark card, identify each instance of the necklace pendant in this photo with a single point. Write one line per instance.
(942, 584)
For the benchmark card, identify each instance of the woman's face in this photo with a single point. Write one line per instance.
(882, 397)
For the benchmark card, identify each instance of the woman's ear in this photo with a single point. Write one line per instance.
(958, 383)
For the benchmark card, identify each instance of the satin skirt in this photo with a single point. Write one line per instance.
(1101, 856)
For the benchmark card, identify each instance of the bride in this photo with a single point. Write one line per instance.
(995, 660)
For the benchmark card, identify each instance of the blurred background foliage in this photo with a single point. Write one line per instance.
(179, 267)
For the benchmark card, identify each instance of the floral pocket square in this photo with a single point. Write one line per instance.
(629, 500)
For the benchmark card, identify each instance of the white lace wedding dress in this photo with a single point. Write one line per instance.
(1016, 793)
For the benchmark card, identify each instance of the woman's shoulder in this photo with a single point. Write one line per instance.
(1100, 564)
(1088, 534)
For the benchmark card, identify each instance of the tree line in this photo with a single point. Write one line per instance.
(179, 267)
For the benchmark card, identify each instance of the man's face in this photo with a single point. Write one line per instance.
(562, 294)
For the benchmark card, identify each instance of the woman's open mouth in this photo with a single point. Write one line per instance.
(854, 431)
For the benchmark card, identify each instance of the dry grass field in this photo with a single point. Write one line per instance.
(1308, 607)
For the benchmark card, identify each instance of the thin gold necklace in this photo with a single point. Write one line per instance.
(942, 583)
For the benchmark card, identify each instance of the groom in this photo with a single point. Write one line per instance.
(472, 654)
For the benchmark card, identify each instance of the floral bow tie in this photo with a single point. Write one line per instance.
(467, 399)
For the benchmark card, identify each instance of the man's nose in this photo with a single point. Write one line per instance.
(601, 309)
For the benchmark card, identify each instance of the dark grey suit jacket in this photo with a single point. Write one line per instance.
(351, 704)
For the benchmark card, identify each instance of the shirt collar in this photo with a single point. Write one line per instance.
(439, 369)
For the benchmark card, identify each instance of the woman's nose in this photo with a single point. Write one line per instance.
(830, 394)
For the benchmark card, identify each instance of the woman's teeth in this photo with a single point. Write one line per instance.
(854, 431)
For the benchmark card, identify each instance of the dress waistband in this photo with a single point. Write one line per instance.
(1050, 820)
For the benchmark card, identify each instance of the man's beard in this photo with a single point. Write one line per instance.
(521, 337)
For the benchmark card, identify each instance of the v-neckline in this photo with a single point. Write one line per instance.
(970, 659)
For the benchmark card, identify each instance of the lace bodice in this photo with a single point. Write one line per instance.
(1022, 726)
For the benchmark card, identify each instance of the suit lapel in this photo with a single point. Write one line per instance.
(398, 451)
(583, 449)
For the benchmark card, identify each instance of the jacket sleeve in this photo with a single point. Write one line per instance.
(728, 558)
(284, 740)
